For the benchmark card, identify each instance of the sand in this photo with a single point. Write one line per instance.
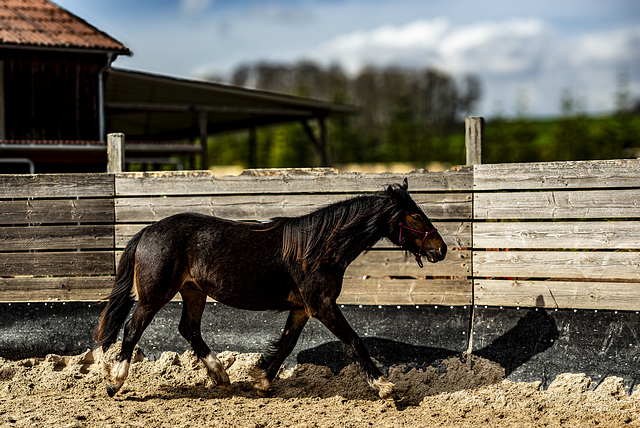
(174, 391)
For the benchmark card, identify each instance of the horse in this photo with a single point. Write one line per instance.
(294, 264)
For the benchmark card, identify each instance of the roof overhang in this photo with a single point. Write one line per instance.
(147, 106)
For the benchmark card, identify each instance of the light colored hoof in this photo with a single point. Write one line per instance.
(386, 390)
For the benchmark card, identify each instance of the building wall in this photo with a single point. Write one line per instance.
(51, 95)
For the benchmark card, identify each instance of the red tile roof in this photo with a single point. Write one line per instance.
(43, 24)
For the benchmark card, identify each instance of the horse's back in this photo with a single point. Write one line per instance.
(237, 263)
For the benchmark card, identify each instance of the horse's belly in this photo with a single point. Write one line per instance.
(262, 292)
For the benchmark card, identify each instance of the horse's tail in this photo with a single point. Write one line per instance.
(121, 298)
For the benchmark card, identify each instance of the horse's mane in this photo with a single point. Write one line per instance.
(338, 233)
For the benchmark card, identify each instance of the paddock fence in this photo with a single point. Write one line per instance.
(550, 235)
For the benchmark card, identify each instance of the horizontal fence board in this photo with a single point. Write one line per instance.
(558, 175)
(606, 235)
(557, 264)
(56, 185)
(455, 234)
(406, 292)
(57, 288)
(398, 263)
(558, 294)
(264, 207)
(389, 263)
(57, 211)
(558, 204)
(56, 237)
(57, 263)
(270, 181)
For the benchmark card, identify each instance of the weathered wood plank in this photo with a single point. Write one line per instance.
(609, 265)
(558, 175)
(56, 185)
(381, 264)
(56, 237)
(406, 292)
(26, 289)
(455, 234)
(558, 205)
(284, 181)
(264, 207)
(558, 294)
(57, 263)
(608, 235)
(395, 263)
(38, 211)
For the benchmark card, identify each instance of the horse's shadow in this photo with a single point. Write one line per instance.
(534, 333)
(325, 371)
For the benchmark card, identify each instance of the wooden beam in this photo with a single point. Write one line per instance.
(253, 154)
(474, 133)
(28, 289)
(622, 296)
(218, 109)
(57, 263)
(251, 207)
(586, 235)
(446, 292)
(35, 211)
(115, 152)
(621, 203)
(598, 265)
(204, 135)
(618, 173)
(56, 185)
(165, 183)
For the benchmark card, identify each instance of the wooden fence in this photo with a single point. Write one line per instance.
(557, 235)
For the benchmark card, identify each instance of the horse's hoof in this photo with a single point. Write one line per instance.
(263, 394)
(386, 390)
(111, 390)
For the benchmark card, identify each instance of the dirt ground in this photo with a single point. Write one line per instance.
(174, 391)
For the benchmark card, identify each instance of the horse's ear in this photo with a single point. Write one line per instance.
(405, 184)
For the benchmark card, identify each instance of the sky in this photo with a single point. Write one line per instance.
(526, 54)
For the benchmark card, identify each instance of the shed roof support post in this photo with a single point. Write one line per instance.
(202, 125)
(253, 155)
(115, 152)
(474, 133)
(319, 143)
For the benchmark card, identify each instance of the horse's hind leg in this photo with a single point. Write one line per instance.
(270, 364)
(193, 302)
(142, 316)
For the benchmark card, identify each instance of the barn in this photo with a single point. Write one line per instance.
(60, 97)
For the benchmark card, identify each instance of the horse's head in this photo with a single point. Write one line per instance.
(411, 229)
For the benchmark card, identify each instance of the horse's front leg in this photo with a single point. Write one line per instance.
(270, 364)
(330, 315)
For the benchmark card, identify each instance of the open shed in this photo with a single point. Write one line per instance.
(59, 98)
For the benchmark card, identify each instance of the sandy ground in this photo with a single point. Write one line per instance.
(174, 391)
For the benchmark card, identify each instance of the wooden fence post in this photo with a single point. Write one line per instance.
(474, 132)
(115, 152)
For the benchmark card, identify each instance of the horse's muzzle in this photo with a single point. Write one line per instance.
(436, 254)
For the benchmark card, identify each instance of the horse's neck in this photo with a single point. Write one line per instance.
(368, 239)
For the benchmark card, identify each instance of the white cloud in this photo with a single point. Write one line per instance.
(604, 49)
(518, 60)
(506, 47)
(192, 7)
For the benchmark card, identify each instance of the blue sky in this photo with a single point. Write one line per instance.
(526, 53)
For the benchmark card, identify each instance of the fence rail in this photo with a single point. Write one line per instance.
(560, 234)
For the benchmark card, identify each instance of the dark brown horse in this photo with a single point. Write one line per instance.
(294, 264)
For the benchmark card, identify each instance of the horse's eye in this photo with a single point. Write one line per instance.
(416, 217)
